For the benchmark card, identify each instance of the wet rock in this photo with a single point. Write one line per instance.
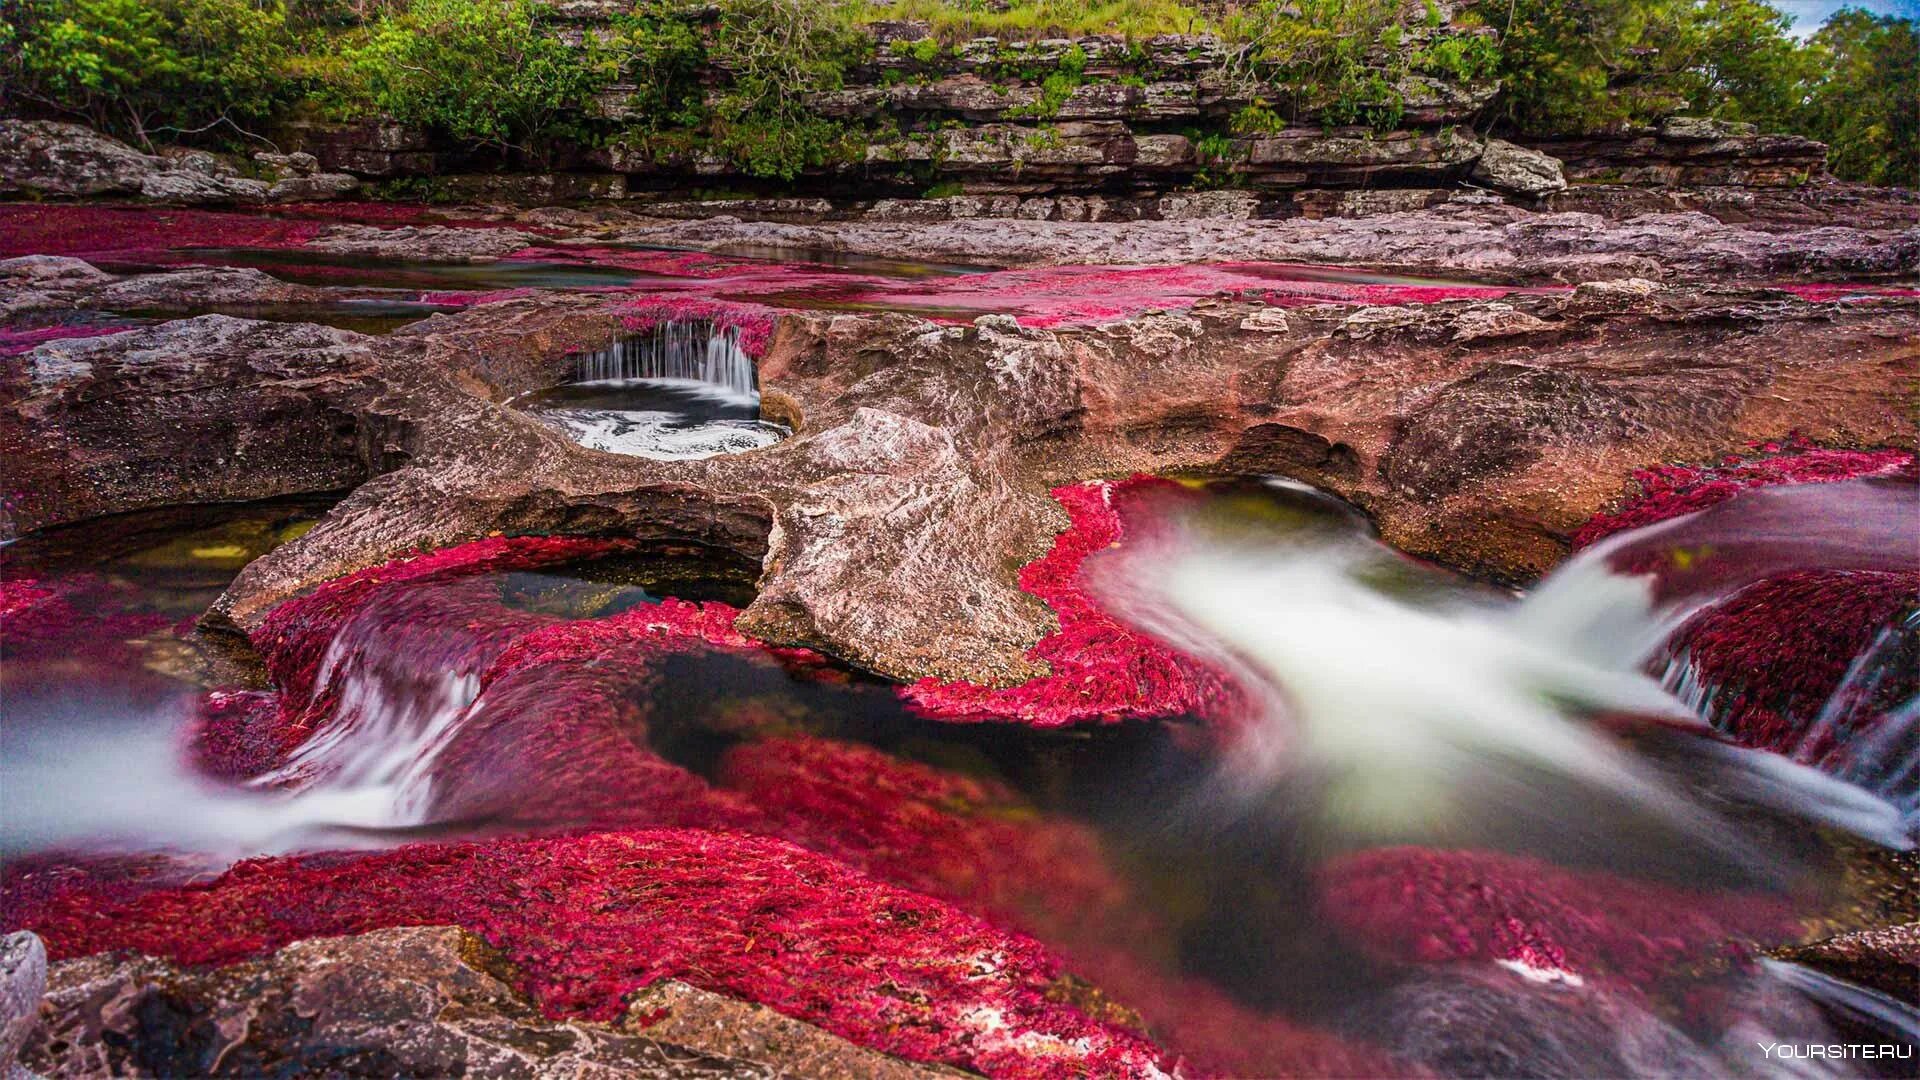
(1475, 1022)
(23, 978)
(436, 242)
(1886, 959)
(1506, 167)
(417, 1001)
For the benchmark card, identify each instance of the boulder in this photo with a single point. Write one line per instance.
(51, 158)
(23, 978)
(1518, 170)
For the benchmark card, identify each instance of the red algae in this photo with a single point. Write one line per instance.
(15, 341)
(1668, 491)
(752, 917)
(753, 322)
(1417, 905)
(96, 231)
(1777, 651)
(1102, 670)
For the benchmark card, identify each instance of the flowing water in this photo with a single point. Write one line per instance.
(1418, 748)
(685, 389)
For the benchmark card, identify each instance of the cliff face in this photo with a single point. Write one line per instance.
(1099, 128)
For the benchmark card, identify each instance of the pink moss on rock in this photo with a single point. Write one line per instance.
(1668, 491)
(587, 920)
(1417, 905)
(1777, 651)
(1102, 669)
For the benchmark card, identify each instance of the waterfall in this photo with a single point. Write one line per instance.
(695, 350)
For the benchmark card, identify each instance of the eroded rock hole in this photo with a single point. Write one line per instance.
(685, 389)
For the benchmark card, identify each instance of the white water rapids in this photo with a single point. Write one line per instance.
(1406, 709)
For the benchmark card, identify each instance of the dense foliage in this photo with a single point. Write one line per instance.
(485, 73)
(1865, 100)
(728, 78)
(147, 67)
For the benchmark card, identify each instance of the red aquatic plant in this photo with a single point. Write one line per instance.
(1668, 491)
(753, 322)
(1418, 905)
(589, 919)
(1777, 651)
(1101, 668)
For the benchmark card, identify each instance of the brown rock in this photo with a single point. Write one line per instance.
(891, 527)
(416, 1001)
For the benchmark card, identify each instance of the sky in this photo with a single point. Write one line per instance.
(1809, 14)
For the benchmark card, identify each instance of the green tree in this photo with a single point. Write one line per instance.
(1586, 65)
(1865, 104)
(486, 72)
(146, 67)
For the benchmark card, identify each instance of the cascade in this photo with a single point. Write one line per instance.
(675, 349)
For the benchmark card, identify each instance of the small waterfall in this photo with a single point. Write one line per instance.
(1414, 712)
(697, 350)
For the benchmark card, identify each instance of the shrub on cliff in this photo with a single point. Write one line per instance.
(486, 72)
(774, 52)
(144, 68)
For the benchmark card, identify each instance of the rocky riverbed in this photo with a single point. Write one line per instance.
(976, 411)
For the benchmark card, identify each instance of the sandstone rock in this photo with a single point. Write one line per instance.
(423, 1001)
(1496, 320)
(1186, 206)
(1433, 416)
(286, 166)
(1266, 321)
(66, 159)
(1369, 321)
(439, 242)
(1704, 129)
(200, 161)
(708, 1023)
(317, 187)
(1495, 241)
(23, 978)
(50, 269)
(1507, 167)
